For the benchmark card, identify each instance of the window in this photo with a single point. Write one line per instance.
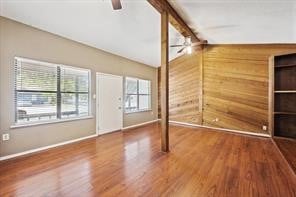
(45, 91)
(137, 95)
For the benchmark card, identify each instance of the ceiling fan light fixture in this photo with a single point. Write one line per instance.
(189, 50)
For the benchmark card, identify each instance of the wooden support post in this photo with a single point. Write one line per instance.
(164, 81)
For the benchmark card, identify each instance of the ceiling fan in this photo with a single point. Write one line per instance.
(116, 4)
(187, 45)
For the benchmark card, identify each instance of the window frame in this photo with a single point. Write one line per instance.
(137, 95)
(58, 92)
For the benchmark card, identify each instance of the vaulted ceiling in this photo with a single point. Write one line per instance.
(134, 31)
(240, 21)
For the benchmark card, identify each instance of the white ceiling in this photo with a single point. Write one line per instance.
(240, 21)
(134, 31)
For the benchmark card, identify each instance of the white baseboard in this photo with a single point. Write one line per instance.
(139, 125)
(66, 142)
(45, 147)
(126, 128)
(221, 129)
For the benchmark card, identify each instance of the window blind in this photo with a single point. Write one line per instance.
(45, 91)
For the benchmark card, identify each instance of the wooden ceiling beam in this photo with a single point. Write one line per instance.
(175, 20)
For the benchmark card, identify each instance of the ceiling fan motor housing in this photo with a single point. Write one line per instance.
(187, 41)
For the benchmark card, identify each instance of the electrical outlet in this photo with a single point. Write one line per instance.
(264, 127)
(216, 120)
(5, 137)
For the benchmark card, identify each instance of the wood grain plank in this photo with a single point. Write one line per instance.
(228, 82)
(202, 162)
(236, 84)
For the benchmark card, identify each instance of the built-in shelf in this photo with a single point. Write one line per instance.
(285, 65)
(284, 91)
(284, 113)
(284, 97)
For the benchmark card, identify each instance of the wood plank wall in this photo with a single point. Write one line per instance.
(184, 86)
(235, 85)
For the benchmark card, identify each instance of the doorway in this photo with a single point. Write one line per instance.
(109, 103)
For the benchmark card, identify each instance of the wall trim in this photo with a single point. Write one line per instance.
(39, 123)
(139, 125)
(221, 129)
(67, 142)
(127, 128)
(46, 147)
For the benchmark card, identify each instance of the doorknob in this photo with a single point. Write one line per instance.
(119, 107)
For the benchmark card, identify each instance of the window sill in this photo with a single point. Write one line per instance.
(20, 125)
(139, 111)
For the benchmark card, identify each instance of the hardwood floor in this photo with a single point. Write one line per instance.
(288, 149)
(202, 162)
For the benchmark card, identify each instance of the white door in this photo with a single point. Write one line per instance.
(109, 103)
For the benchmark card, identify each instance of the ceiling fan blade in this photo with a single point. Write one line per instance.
(200, 43)
(116, 4)
(220, 27)
(177, 45)
(181, 50)
(197, 48)
(196, 44)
